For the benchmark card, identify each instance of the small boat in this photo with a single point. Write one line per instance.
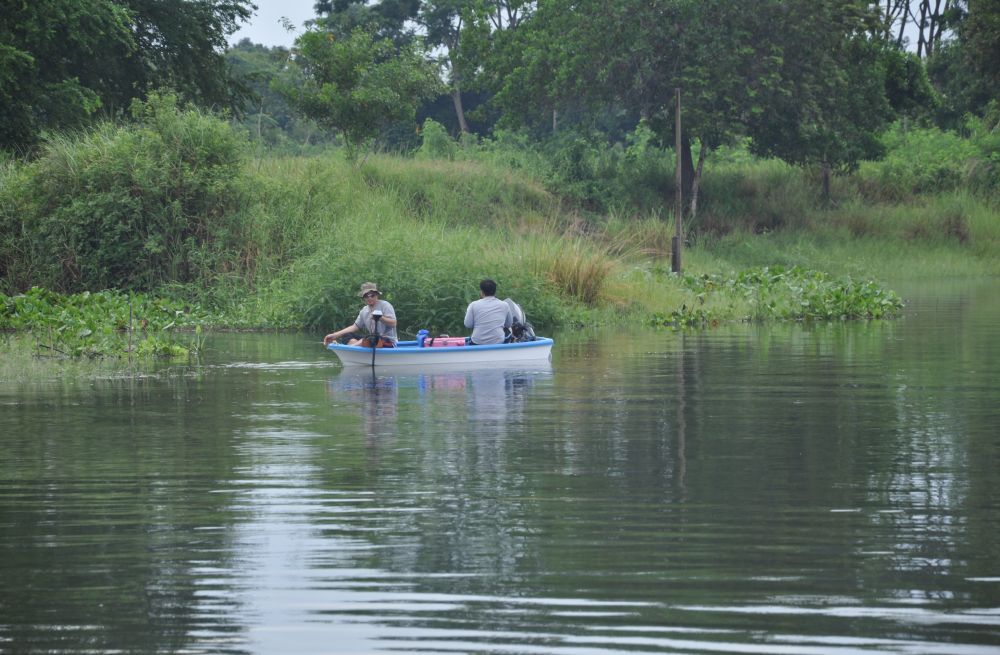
(411, 353)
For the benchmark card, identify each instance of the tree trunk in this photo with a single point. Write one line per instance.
(456, 98)
(922, 30)
(904, 18)
(696, 182)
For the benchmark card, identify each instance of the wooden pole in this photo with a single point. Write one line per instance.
(675, 244)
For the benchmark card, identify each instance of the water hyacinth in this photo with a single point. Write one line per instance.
(101, 324)
(789, 294)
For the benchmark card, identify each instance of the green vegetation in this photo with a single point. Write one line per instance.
(132, 207)
(171, 210)
(173, 204)
(104, 324)
(785, 294)
(357, 84)
(154, 186)
(65, 64)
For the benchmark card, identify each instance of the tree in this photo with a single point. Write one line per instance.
(831, 104)
(799, 77)
(932, 19)
(442, 21)
(255, 65)
(385, 19)
(180, 44)
(979, 33)
(634, 55)
(358, 85)
(63, 61)
(963, 68)
(54, 57)
(468, 31)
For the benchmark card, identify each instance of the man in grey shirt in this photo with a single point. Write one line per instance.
(366, 321)
(487, 316)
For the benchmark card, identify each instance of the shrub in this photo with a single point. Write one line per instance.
(129, 207)
(436, 144)
(918, 160)
(794, 293)
(983, 170)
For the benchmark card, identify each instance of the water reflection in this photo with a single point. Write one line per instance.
(490, 397)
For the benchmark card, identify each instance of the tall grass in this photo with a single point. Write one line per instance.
(425, 231)
(428, 230)
(575, 268)
(297, 235)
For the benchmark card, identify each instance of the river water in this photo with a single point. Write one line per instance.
(791, 489)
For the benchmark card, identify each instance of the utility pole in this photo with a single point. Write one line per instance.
(675, 250)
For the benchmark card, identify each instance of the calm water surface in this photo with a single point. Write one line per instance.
(782, 489)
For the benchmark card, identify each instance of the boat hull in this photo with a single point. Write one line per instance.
(408, 353)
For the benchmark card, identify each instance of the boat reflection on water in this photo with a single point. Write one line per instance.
(482, 394)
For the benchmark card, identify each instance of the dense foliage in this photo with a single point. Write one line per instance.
(357, 85)
(568, 204)
(64, 62)
(128, 207)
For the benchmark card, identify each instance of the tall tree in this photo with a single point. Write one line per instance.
(980, 35)
(443, 22)
(181, 44)
(61, 61)
(385, 19)
(932, 18)
(489, 47)
(797, 76)
(963, 68)
(255, 65)
(831, 104)
(56, 64)
(358, 85)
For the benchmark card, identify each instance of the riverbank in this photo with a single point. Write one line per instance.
(177, 208)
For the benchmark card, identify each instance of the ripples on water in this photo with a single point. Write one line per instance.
(795, 489)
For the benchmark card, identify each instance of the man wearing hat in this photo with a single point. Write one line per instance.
(366, 321)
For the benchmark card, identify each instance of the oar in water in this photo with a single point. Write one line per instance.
(376, 315)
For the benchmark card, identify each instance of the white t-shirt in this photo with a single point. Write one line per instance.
(488, 317)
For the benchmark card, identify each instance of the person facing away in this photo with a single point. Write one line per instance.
(366, 321)
(488, 316)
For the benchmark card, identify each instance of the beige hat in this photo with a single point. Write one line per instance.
(367, 287)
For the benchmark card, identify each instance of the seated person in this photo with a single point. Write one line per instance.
(488, 316)
(366, 321)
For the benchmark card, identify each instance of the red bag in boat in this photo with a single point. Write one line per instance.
(444, 342)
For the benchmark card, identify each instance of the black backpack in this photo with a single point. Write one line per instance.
(520, 329)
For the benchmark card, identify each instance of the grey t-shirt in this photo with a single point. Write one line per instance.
(487, 317)
(366, 322)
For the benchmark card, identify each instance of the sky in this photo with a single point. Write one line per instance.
(264, 26)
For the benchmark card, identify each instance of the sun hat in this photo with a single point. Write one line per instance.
(368, 287)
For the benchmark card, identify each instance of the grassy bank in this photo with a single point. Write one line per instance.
(283, 242)
(427, 230)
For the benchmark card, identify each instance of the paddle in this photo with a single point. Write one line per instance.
(376, 315)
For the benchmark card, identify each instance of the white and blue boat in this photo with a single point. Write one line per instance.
(411, 353)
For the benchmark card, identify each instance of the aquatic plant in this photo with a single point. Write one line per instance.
(102, 324)
(786, 293)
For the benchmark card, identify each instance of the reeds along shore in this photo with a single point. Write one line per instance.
(178, 208)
